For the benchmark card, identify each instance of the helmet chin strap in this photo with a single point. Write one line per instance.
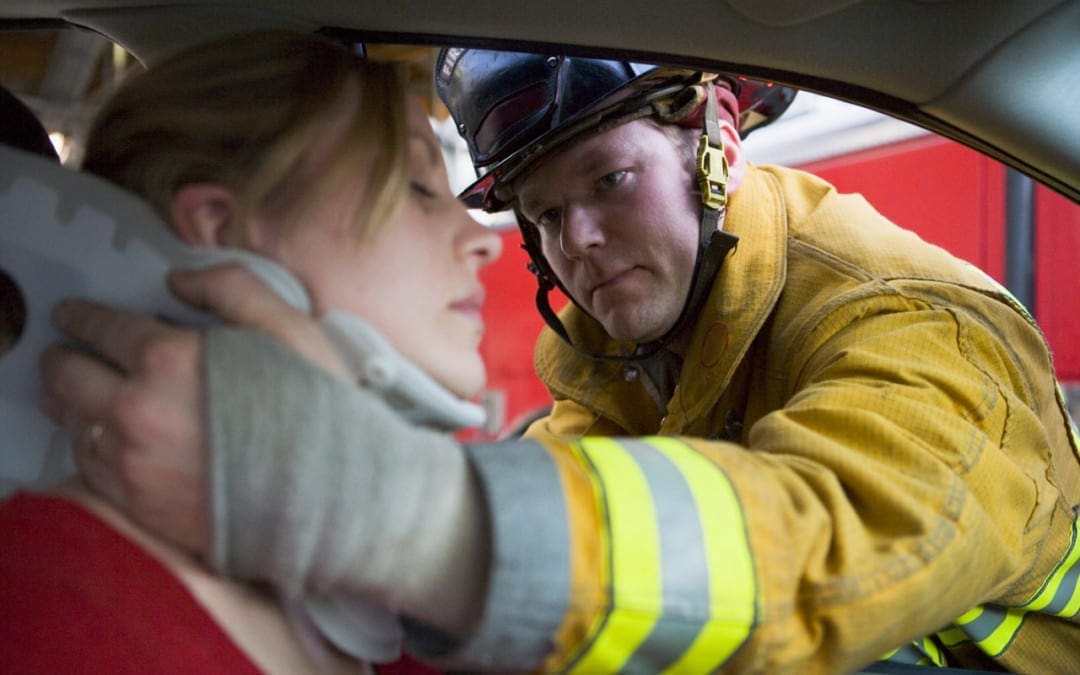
(711, 169)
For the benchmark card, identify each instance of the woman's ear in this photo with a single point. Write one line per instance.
(204, 214)
(736, 158)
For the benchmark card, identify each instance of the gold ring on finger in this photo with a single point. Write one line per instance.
(94, 434)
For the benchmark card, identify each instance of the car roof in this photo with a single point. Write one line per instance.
(1000, 75)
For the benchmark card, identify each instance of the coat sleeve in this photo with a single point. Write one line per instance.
(612, 555)
(903, 482)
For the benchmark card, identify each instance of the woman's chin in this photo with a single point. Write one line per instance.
(465, 378)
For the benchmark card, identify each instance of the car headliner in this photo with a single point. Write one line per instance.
(1000, 75)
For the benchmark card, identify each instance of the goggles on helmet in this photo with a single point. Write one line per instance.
(513, 108)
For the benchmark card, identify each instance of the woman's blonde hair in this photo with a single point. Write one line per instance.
(244, 113)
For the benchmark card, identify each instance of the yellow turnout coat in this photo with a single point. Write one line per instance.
(865, 456)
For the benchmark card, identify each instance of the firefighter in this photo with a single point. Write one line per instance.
(788, 436)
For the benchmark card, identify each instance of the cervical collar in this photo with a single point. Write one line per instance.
(69, 234)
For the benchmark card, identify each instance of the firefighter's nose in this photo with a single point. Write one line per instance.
(580, 231)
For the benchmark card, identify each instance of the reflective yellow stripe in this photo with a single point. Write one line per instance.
(732, 582)
(994, 628)
(995, 643)
(924, 652)
(635, 558)
(970, 615)
(950, 637)
(1065, 572)
(932, 651)
(1003, 636)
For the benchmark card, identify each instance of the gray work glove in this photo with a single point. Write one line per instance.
(318, 487)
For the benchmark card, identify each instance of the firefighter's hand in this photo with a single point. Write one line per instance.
(134, 403)
(133, 409)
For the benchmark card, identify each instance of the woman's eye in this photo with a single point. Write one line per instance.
(422, 190)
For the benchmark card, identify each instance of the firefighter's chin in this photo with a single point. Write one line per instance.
(636, 322)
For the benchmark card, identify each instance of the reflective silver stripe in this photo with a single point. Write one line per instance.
(529, 583)
(1066, 600)
(992, 627)
(733, 587)
(684, 565)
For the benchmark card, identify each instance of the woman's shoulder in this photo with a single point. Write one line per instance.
(103, 590)
(79, 595)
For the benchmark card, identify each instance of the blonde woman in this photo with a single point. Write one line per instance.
(291, 147)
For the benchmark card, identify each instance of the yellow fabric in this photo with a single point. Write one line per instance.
(589, 574)
(635, 560)
(909, 459)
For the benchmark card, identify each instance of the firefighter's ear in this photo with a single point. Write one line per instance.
(204, 214)
(736, 158)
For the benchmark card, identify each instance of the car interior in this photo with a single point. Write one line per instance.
(997, 76)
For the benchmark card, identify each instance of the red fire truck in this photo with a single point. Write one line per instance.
(1024, 235)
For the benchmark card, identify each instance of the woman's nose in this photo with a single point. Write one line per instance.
(480, 242)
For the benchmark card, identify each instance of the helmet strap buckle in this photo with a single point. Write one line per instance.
(712, 172)
(711, 166)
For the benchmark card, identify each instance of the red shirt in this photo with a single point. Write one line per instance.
(77, 596)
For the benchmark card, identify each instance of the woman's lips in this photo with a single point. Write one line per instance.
(471, 305)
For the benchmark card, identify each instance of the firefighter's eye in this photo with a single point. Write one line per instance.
(548, 219)
(613, 179)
